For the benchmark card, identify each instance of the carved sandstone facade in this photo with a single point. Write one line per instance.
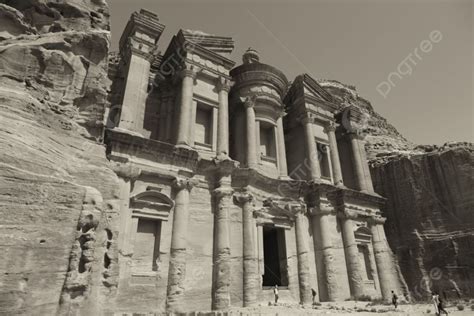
(240, 180)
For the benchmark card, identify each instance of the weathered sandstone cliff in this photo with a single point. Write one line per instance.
(58, 193)
(430, 223)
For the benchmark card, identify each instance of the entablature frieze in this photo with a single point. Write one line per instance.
(287, 188)
(279, 212)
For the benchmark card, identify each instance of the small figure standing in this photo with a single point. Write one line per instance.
(275, 292)
(440, 306)
(394, 299)
(435, 299)
(313, 292)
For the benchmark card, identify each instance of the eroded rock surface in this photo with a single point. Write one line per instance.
(58, 194)
(429, 216)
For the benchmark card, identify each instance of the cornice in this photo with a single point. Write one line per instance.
(125, 143)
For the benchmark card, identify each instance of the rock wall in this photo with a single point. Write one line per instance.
(58, 193)
(430, 223)
(429, 217)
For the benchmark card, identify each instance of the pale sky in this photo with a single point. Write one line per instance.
(355, 42)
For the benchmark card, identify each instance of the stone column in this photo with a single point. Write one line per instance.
(250, 261)
(367, 176)
(311, 150)
(257, 139)
(357, 162)
(373, 267)
(186, 107)
(282, 165)
(192, 123)
(177, 267)
(383, 259)
(335, 162)
(221, 295)
(320, 223)
(354, 268)
(223, 87)
(302, 253)
(251, 133)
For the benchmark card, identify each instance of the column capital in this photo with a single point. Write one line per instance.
(221, 192)
(306, 118)
(127, 171)
(377, 220)
(281, 114)
(249, 101)
(223, 84)
(347, 214)
(296, 208)
(356, 134)
(321, 210)
(181, 183)
(243, 197)
(330, 127)
(189, 71)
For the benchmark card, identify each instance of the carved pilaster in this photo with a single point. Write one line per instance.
(302, 252)
(221, 257)
(311, 150)
(186, 119)
(330, 129)
(223, 87)
(249, 103)
(251, 279)
(177, 267)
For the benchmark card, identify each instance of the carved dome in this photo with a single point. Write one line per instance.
(258, 78)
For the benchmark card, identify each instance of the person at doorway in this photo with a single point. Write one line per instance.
(394, 299)
(275, 292)
(313, 292)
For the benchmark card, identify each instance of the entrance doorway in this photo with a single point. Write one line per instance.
(274, 257)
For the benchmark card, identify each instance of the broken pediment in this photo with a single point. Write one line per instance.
(218, 44)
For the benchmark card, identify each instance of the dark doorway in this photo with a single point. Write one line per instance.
(274, 254)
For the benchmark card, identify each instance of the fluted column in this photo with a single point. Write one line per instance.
(177, 267)
(223, 87)
(354, 268)
(383, 259)
(221, 294)
(357, 162)
(302, 253)
(249, 104)
(320, 223)
(282, 165)
(311, 150)
(335, 162)
(250, 260)
(186, 106)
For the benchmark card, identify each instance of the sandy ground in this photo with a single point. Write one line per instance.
(350, 308)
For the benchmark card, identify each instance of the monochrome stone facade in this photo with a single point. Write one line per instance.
(234, 179)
